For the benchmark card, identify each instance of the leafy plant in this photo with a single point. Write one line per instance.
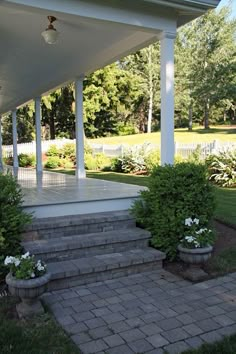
(52, 162)
(53, 151)
(196, 235)
(222, 168)
(175, 192)
(152, 159)
(25, 266)
(97, 162)
(12, 217)
(26, 160)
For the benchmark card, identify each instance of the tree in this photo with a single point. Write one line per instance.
(209, 52)
(145, 64)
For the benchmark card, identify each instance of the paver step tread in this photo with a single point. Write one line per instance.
(105, 262)
(85, 241)
(81, 219)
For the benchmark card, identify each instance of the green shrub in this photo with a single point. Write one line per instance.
(53, 151)
(69, 151)
(175, 193)
(66, 163)
(116, 164)
(222, 168)
(12, 218)
(26, 160)
(53, 162)
(152, 159)
(90, 162)
(97, 162)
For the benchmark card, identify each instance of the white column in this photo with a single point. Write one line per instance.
(167, 98)
(79, 128)
(1, 154)
(14, 140)
(37, 103)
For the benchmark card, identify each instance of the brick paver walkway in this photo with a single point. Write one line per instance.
(146, 313)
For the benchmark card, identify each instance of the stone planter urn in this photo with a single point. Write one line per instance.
(29, 291)
(195, 255)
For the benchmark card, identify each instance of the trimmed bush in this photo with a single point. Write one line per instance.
(53, 162)
(175, 193)
(222, 168)
(12, 218)
(26, 160)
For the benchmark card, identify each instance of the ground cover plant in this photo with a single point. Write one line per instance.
(222, 168)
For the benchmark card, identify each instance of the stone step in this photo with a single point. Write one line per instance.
(65, 248)
(55, 227)
(97, 268)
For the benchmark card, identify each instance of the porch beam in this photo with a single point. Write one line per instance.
(167, 98)
(14, 139)
(79, 128)
(1, 152)
(37, 103)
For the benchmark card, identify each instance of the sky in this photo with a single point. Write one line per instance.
(233, 6)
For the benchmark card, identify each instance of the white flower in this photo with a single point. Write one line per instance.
(189, 239)
(32, 275)
(188, 222)
(196, 221)
(26, 255)
(9, 260)
(17, 262)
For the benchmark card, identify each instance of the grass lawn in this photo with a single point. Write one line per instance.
(198, 135)
(39, 336)
(226, 204)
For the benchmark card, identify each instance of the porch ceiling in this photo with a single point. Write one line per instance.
(92, 34)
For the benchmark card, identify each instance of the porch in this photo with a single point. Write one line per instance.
(50, 194)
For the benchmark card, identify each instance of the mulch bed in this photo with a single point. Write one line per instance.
(226, 239)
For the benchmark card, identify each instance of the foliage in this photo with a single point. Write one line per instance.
(96, 162)
(53, 162)
(196, 235)
(222, 168)
(26, 160)
(152, 159)
(53, 151)
(12, 217)
(25, 266)
(175, 192)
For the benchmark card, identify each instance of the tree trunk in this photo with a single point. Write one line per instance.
(149, 125)
(190, 117)
(52, 126)
(206, 114)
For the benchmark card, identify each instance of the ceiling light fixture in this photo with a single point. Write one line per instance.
(50, 35)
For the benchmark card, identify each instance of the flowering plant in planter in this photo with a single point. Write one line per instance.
(25, 266)
(196, 236)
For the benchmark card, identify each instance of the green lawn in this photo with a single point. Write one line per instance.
(225, 346)
(198, 135)
(225, 198)
(37, 336)
(226, 204)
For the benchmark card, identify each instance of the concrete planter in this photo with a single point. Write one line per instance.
(195, 255)
(29, 292)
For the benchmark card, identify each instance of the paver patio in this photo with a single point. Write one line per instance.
(146, 313)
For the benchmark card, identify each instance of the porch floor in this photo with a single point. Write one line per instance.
(55, 189)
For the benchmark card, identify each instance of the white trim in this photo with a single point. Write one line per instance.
(37, 103)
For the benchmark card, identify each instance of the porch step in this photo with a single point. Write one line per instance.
(69, 247)
(91, 269)
(55, 227)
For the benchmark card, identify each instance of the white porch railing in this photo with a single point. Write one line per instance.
(181, 149)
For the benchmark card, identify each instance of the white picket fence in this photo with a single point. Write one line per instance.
(183, 150)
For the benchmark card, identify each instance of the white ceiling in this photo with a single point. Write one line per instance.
(29, 67)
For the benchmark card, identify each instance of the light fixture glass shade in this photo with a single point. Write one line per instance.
(50, 36)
